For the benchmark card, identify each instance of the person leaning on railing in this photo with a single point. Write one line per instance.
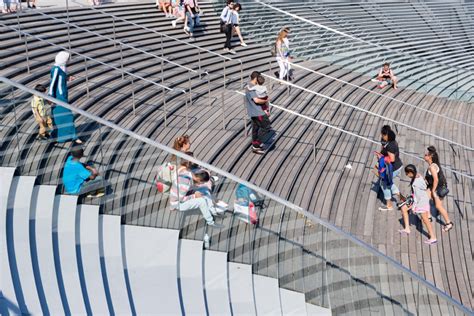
(79, 178)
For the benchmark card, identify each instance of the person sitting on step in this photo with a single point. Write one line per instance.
(386, 77)
(420, 205)
(79, 178)
(181, 201)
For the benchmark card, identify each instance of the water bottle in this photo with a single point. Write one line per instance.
(207, 240)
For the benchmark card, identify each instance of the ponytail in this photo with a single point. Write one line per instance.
(411, 169)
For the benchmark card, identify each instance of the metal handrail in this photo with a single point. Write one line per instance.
(379, 94)
(369, 112)
(118, 42)
(298, 209)
(163, 87)
(162, 35)
(344, 47)
(291, 112)
(358, 39)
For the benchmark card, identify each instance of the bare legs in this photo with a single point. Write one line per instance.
(425, 220)
(439, 206)
(239, 34)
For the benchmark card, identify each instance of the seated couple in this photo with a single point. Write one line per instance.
(80, 179)
(192, 191)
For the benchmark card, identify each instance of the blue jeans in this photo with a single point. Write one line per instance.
(192, 22)
(388, 192)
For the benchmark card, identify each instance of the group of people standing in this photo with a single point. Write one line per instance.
(433, 186)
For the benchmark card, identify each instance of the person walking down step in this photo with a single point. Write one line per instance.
(228, 28)
(236, 23)
(418, 202)
(437, 185)
(391, 151)
(283, 55)
(193, 11)
(261, 125)
(63, 118)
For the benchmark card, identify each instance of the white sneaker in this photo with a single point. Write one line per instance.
(173, 23)
(243, 44)
(226, 50)
(222, 206)
(233, 52)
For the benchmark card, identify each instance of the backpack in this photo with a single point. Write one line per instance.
(165, 176)
(246, 203)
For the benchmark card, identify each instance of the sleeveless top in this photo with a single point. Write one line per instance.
(386, 74)
(429, 177)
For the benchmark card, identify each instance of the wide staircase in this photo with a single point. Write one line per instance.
(61, 257)
(308, 163)
(363, 36)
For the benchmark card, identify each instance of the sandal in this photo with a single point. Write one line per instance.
(446, 228)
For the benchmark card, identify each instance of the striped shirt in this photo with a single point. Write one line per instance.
(181, 187)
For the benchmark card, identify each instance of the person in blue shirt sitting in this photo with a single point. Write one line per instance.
(79, 178)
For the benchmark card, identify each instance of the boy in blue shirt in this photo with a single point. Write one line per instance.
(79, 179)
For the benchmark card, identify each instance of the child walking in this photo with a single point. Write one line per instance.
(41, 114)
(420, 205)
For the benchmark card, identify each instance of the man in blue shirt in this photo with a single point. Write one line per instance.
(79, 179)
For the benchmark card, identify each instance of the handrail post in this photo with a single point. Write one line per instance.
(314, 144)
(209, 89)
(186, 109)
(161, 39)
(164, 105)
(245, 117)
(113, 26)
(199, 63)
(162, 73)
(87, 76)
(223, 98)
(68, 25)
(26, 51)
(17, 133)
(18, 22)
(190, 97)
(241, 75)
(121, 60)
(133, 96)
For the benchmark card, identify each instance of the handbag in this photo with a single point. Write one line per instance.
(442, 191)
